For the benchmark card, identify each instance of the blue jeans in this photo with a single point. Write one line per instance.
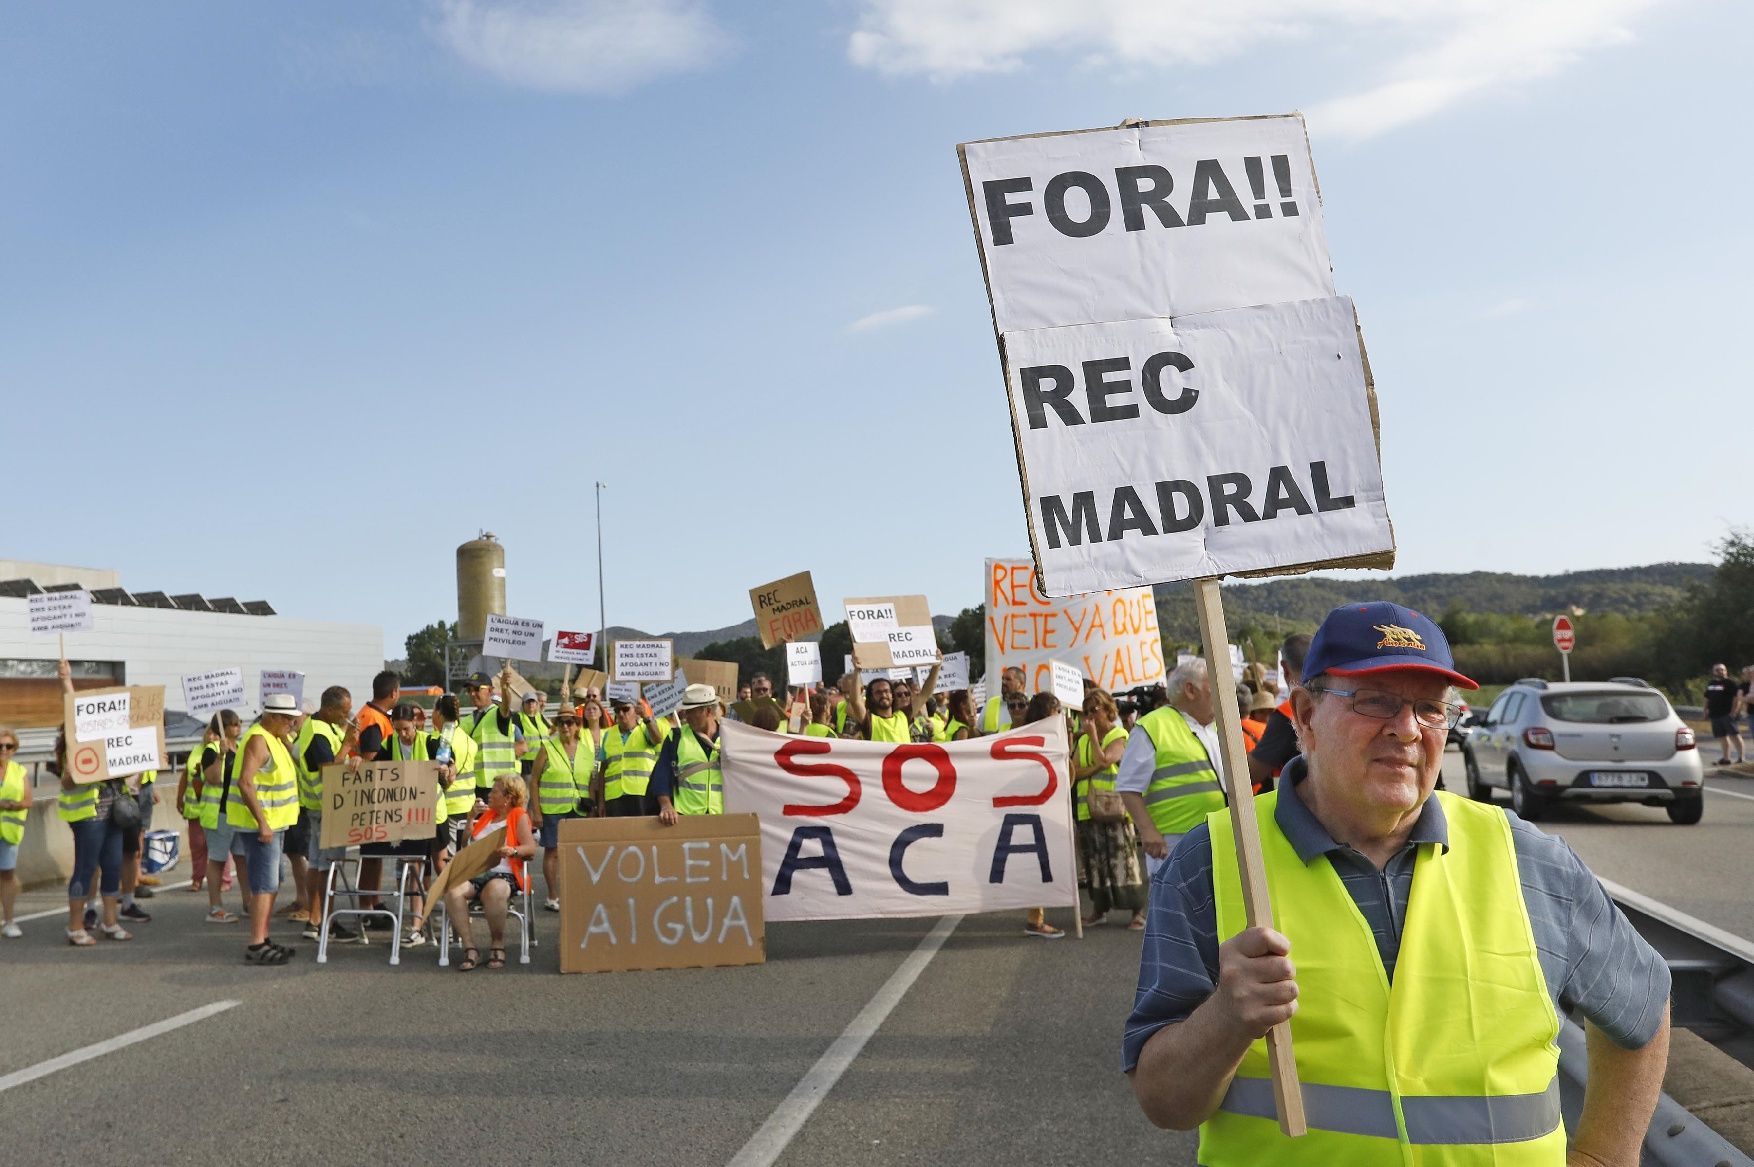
(262, 860)
(96, 843)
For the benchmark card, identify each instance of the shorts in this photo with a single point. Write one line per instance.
(320, 857)
(550, 832)
(262, 860)
(298, 835)
(1723, 727)
(146, 801)
(481, 881)
(219, 840)
(8, 856)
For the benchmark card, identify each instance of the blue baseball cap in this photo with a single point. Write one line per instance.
(1376, 637)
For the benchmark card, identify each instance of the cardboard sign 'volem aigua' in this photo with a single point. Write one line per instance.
(636, 894)
(379, 802)
(113, 733)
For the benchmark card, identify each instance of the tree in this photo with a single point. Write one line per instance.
(750, 658)
(968, 633)
(837, 645)
(425, 651)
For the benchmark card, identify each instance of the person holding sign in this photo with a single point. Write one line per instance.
(14, 807)
(407, 744)
(1487, 929)
(264, 802)
(1110, 850)
(216, 830)
(496, 730)
(628, 753)
(888, 720)
(459, 798)
(97, 842)
(1168, 778)
(686, 778)
(494, 888)
(325, 737)
(563, 779)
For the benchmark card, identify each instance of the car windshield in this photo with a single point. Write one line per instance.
(1606, 708)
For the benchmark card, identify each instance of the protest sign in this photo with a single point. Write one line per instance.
(112, 733)
(512, 638)
(1111, 635)
(804, 663)
(636, 894)
(786, 609)
(282, 681)
(622, 691)
(1236, 658)
(573, 648)
(665, 697)
(890, 631)
(1068, 684)
(952, 675)
(379, 802)
(205, 694)
(53, 612)
(978, 691)
(466, 864)
(853, 829)
(721, 675)
(642, 660)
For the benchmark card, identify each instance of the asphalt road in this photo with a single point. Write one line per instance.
(1004, 1049)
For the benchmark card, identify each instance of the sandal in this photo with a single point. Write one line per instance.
(471, 960)
(266, 954)
(1136, 924)
(220, 916)
(1043, 931)
(1095, 921)
(115, 932)
(496, 958)
(80, 938)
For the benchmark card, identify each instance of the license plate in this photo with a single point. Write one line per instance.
(1614, 778)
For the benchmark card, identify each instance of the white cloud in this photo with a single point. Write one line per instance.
(890, 316)
(1447, 50)
(580, 46)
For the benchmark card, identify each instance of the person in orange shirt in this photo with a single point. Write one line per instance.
(1254, 718)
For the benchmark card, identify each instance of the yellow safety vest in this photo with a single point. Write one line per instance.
(214, 795)
(310, 782)
(945, 731)
(191, 806)
(628, 760)
(990, 712)
(893, 728)
(497, 752)
(817, 729)
(565, 781)
(1453, 1065)
(12, 790)
(700, 787)
(276, 785)
(1103, 779)
(536, 734)
(1184, 787)
(460, 794)
(78, 804)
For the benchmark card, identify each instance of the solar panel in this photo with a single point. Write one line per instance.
(19, 588)
(66, 587)
(192, 602)
(153, 600)
(118, 596)
(258, 608)
(227, 604)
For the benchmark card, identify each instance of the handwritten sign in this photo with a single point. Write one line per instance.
(639, 895)
(573, 648)
(112, 733)
(953, 674)
(869, 622)
(627, 691)
(1068, 684)
(804, 663)
(665, 697)
(379, 802)
(512, 638)
(54, 612)
(888, 631)
(282, 681)
(205, 694)
(643, 660)
(786, 609)
(1111, 635)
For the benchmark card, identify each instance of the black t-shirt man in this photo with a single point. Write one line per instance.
(1720, 696)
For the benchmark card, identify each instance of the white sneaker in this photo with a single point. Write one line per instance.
(551, 905)
(12, 932)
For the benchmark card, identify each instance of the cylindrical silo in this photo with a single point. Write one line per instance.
(480, 584)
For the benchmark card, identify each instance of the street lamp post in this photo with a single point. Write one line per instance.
(602, 620)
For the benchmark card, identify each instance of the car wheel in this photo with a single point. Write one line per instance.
(1523, 799)
(1686, 811)
(1477, 788)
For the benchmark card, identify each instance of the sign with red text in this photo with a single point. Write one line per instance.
(853, 829)
(379, 802)
(112, 733)
(891, 632)
(786, 609)
(1111, 635)
(573, 648)
(1564, 635)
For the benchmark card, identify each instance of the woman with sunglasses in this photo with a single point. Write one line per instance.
(14, 808)
(562, 777)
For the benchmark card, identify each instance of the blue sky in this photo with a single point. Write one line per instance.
(298, 298)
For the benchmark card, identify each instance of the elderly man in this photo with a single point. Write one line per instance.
(686, 779)
(1436, 942)
(263, 803)
(627, 754)
(1168, 779)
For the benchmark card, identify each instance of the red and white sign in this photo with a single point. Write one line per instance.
(853, 829)
(1564, 636)
(573, 648)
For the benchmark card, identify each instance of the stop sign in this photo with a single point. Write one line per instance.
(1564, 637)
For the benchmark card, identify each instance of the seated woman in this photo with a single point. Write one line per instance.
(495, 886)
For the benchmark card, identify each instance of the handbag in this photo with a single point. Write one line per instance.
(125, 810)
(1106, 806)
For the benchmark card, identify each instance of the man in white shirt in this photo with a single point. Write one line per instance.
(1190, 696)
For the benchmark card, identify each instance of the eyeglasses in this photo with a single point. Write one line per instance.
(8, 745)
(1384, 706)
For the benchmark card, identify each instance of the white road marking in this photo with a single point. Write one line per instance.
(62, 911)
(1731, 793)
(1676, 918)
(144, 1033)
(789, 1117)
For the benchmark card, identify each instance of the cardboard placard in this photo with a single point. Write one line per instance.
(573, 648)
(205, 694)
(804, 663)
(379, 802)
(721, 675)
(56, 612)
(665, 698)
(786, 609)
(112, 733)
(588, 679)
(512, 638)
(636, 894)
(466, 864)
(889, 631)
(642, 660)
(283, 681)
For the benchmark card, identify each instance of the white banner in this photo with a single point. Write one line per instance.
(1160, 450)
(283, 681)
(643, 660)
(855, 829)
(512, 638)
(573, 648)
(53, 612)
(1111, 635)
(804, 663)
(1147, 221)
(205, 694)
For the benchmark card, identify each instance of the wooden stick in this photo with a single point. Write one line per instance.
(1257, 905)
